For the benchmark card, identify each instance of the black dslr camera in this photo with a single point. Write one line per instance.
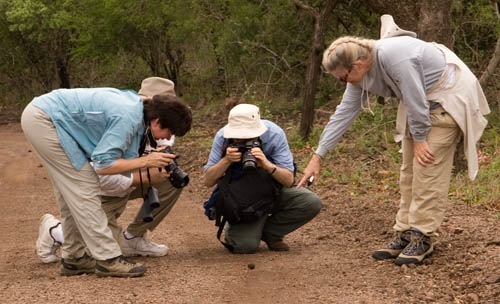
(178, 178)
(247, 159)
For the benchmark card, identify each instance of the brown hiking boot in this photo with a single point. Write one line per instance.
(394, 248)
(71, 267)
(119, 267)
(275, 244)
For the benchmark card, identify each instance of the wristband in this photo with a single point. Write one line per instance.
(274, 170)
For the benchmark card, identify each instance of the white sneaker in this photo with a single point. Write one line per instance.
(139, 246)
(46, 246)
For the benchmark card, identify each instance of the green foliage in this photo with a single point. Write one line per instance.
(477, 28)
(484, 189)
(36, 44)
(491, 138)
(210, 48)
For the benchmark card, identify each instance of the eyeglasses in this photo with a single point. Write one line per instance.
(345, 77)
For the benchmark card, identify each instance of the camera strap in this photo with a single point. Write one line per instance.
(143, 194)
(147, 138)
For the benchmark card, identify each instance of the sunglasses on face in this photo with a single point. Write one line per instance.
(345, 77)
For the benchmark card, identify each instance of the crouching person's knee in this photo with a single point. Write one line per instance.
(316, 204)
(312, 206)
(244, 245)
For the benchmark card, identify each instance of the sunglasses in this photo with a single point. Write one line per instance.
(345, 77)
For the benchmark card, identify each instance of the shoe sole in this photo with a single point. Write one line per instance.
(386, 254)
(143, 254)
(102, 274)
(278, 249)
(68, 273)
(49, 259)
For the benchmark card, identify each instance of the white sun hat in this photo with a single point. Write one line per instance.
(244, 122)
(389, 28)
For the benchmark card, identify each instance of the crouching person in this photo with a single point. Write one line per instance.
(252, 166)
(68, 129)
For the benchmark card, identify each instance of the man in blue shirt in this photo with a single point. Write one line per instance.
(294, 207)
(70, 127)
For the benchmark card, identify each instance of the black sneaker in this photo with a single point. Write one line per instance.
(394, 248)
(419, 248)
(71, 267)
(119, 267)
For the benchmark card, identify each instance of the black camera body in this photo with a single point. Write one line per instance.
(178, 178)
(247, 159)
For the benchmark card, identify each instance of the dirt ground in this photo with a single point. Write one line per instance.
(329, 260)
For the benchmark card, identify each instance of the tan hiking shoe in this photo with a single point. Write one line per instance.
(419, 248)
(276, 244)
(71, 267)
(119, 267)
(394, 248)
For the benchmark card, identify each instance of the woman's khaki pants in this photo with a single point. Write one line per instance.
(424, 190)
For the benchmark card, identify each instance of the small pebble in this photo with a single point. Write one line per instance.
(251, 265)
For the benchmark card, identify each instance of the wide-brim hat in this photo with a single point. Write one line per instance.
(244, 122)
(155, 86)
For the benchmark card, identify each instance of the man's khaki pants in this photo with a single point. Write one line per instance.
(114, 207)
(424, 190)
(84, 222)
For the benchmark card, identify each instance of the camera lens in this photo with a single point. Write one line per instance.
(249, 162)
(178, 178)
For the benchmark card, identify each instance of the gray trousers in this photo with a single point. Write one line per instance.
(83, 220)
(296, 207)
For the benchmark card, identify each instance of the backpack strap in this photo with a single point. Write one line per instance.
(220, 220)
(219, 234)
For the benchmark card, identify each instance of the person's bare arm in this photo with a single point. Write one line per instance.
(152, 160)
(282, 175)
(216, 171)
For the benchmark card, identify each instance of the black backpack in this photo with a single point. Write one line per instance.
(244, 197)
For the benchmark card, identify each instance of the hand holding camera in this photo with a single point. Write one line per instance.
(157, 159)
(248, 160)
(178, 178)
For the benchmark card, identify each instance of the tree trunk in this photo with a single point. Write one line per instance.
(313, 62)
(63, 73)
(404, 12)
(430, 19)
(495, 58)
(435, 22)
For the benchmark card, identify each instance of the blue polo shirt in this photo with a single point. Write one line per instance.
(97, 124)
